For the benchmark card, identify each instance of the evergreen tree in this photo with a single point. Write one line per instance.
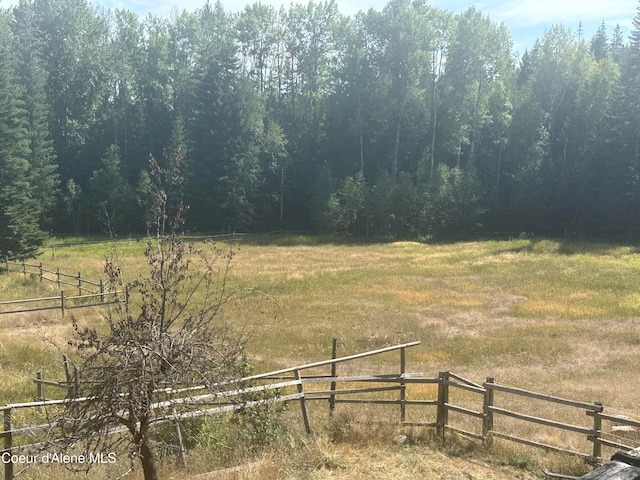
(617, 44)
(20, 235)
(74, 39)
(32, 76)
(620, 193)
(175, 163)
(599, 45)
(629, 107)
(277, 117)
(524, 69)
(157, 113)
(215, 124)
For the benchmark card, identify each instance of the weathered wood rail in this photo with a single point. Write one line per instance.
(393, 389)
(70, 384)
(56, 276)
(90, 293)
(60, 302)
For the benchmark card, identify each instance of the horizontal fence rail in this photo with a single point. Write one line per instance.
(592, 433)
(90, 293)
(391, 389)
(61, 302)
(224, 400)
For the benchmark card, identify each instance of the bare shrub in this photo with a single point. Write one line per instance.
(169, 340)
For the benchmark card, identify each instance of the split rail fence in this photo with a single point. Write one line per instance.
(392, 389)
(90, 293)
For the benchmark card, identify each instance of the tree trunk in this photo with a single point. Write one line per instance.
(396, 150)
(141, 440)
(498, 175)
(636, 152)
(474, 133)
(147, 460)
(436, 75)
(281, 195)
(361, 154)
(433, 142)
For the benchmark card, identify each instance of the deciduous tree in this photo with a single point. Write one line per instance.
(131, 374)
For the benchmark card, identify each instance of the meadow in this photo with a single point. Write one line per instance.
(554, 316)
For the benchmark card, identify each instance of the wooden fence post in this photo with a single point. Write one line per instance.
(303, 403)
(487, 421)
(39, 387)
(62, 305)
(102, 299)
(126, 299)
(65, 364)
(41, 273)
(76, 384)
(403, 386)
(597, 427)
(183, 458)
(58, 276)
(24, 268)
(72, 381)
(442, 415)
(8, 445)
(79, 284)
(334, 372)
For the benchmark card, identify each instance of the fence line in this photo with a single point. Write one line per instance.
(63, 304)
(290, 385)
(60, 278)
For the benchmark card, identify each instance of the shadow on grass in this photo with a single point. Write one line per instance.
(298, 240)
(580, 247)
(529, 244)
(542, 245)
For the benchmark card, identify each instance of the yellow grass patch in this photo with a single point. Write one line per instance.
(344, 462)
(569, 308)
(433, 356)
(546, 315)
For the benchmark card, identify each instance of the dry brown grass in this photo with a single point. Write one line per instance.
(347, 462)
(549, 316)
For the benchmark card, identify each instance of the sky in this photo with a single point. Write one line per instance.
(526, 20)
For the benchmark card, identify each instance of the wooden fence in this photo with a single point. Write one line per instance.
(90, 293)
(391, 389)
(70, 384)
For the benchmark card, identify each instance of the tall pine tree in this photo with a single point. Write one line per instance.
(20, 235)
(32, 76)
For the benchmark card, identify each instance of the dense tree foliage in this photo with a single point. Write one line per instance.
(20, 211)
(409, 120)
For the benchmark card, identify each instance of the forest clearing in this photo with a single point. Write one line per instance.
(407, 122)
(553, 316)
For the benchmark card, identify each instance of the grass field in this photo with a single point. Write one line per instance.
(557, 317)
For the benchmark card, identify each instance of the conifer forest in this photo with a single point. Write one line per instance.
(405, 121)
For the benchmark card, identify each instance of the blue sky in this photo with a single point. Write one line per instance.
(525, 19)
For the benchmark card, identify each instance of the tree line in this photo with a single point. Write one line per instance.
(404, 121)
